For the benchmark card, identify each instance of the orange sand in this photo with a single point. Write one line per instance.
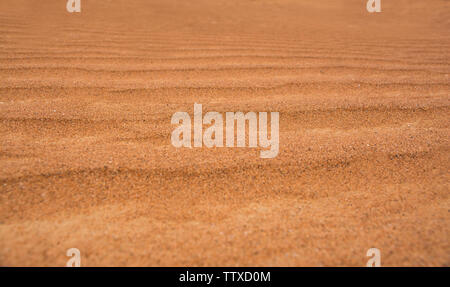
(86, 159)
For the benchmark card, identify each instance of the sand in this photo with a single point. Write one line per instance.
(86, 159)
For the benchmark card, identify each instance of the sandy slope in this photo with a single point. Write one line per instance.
(85, 153)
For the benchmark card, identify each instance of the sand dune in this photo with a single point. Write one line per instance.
(86, 159)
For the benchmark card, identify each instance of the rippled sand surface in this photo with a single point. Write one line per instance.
(86, 159)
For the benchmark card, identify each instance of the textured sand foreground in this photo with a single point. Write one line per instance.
(86, 159)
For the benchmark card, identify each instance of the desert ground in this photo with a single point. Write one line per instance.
(86, 160)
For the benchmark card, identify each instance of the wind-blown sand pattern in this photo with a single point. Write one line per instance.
(86, 159)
